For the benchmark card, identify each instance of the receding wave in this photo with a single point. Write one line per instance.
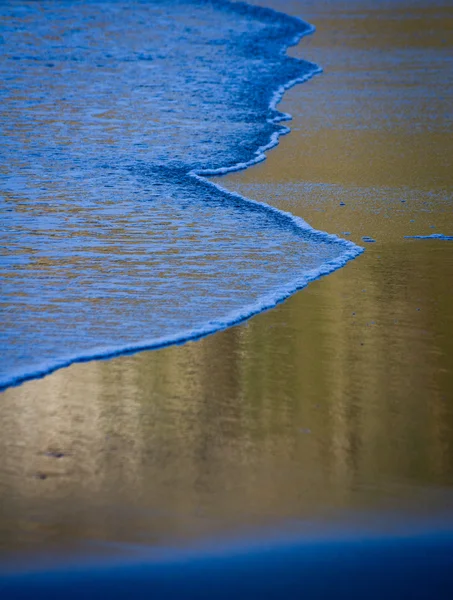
(112, 115)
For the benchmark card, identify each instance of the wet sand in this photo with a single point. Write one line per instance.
(337, 401)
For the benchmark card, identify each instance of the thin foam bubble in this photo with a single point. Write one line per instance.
(433, 236)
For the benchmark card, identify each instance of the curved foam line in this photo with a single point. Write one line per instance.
(265, 302)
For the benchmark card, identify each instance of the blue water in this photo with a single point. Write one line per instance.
(411, 565)
(110, 239)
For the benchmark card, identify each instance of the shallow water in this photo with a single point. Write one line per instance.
(109, 242)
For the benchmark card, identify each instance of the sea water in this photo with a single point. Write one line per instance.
(112, 115)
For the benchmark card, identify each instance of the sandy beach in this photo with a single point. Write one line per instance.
(339, 400)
